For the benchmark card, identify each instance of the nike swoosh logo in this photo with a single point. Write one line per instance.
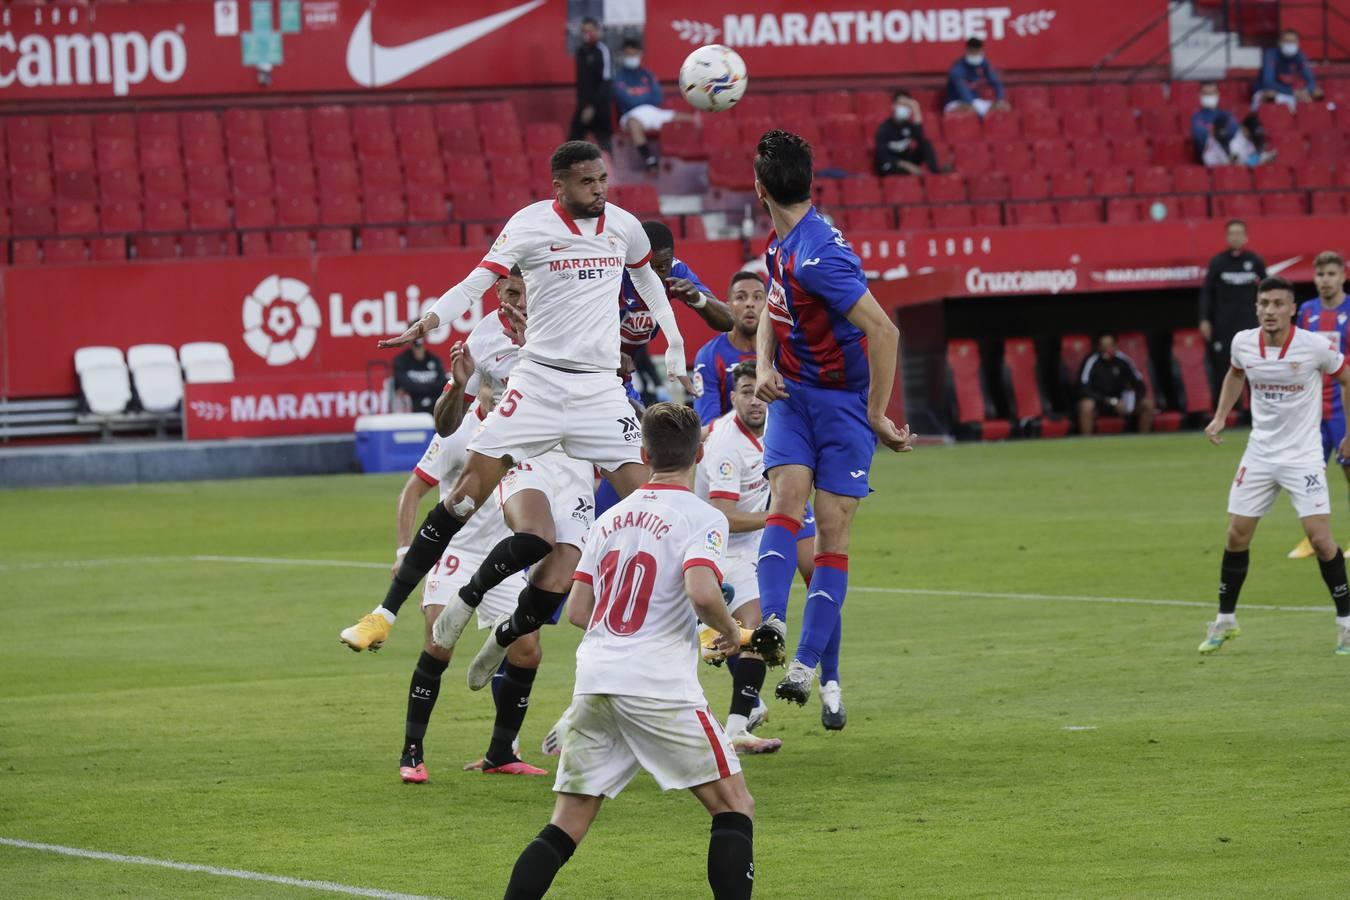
(556, 247)
(373, 66)
(502, 357)
(1282, 265)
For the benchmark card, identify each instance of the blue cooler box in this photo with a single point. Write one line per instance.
(393, 442)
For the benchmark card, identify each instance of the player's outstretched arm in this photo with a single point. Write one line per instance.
(739, 520)
(705, 593)
(448, 307)
(580, 604)
(653, 293)
(713, 311)
(1228, 398)
(883, 344)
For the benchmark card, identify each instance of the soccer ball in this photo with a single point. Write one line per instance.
(713, 78)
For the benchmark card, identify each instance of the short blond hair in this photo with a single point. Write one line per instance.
(671, 434)
(1328, 258)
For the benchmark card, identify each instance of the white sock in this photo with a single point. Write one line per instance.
(736, 724)
(1343, 621)
(388, 616)
(1227, 619)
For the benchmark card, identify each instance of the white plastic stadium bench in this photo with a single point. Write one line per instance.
(206, 362)
(104, 382)
(158, 379)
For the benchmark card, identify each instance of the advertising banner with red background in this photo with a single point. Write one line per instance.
(841, 37)
(266, 407)
(152, 48)
(279, 316)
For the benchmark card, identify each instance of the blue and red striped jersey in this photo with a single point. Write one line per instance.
(1331, 323)
(637, 325)
(815, 278)
(712, 365)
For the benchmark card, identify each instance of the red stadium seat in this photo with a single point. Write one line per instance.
(509, 169)
(1328, 203)
(428, 237)
(333, 145)
(1283, 204)
(415, 145)
(200, 246)
(974, 158)
(1091, 153)
(870, 106)
(339, 209)
(1052, 156)
(290, 147)
(72, 155)
(1114, 182)
(1159, 121)
(1110, 95)
(1190, 372)
(1173, 150)
(829, 192)
(333, 240)
(1132, 151)
(67, 128)
(1002, 126)
(1028, 185)
(376, 145)
(953, 216)
(1326, 148)
(165, 215)
(1078, 212)
(297, 209)
(1232, 179)
(1081, 123)
(1147, 94)
(381, 174)
(338, 176)
(1273, 178)
(973, 414)
(1041, 123)
(868, 218)
(862, 190)
(1191, 180)
(244, 120)
(950, 188)
(201, 149)
(987, 188)
(119, 184)
(1023, 384)
(289, 243)
(26, 253)
(119, 217)
(155, 246)
(454, 115)
(1311, 118)
(293, 176)
(289, 120)
(1071, 183)
(254, 211)
(32, 128)
(108, 125)
(1152, 180)
(208, 181)
(330, 119)
(915, 218)
(1029, 96)
(901, 189)
(157, 124)
(1134, 347)
(64, 250)
(427, 206)
(32, 220)
(961, 128)
(1071, 96)
(80, 187)
(1122, 210)
(1074, 349)
(1312, 176)
(424, 175)
(1237, 206)
(413, 118)
(380, 240)
(385, 207)
(160, 150)
(1275, 117)
(639, 199)
(209, 214)
(253, 243)
(1194, 206)
(108, 249)
(1031, 214)
(165, 183)
(465, 171)
(115, 152)
(252, 178)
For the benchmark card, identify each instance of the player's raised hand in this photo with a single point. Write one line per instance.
(419, 329)
(769, 385)
(518, 318)
(626, 365)
(1216, 425)
(683, 289)
(676, 370)
(461, 363)
(901, 440)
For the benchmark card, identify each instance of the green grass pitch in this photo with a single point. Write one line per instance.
(1008, 736)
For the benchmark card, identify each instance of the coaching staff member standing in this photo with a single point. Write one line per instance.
(1228, 297)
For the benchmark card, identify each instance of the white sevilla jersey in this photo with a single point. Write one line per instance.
(642, 640)
(1286, 385)
(733, 469)
(573, 270)
(494, 353)
(440, 465)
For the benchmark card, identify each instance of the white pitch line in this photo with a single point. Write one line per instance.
(243, 874)
(862, 589)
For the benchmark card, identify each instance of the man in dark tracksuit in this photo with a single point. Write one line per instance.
(1228, 298)
(594, 100)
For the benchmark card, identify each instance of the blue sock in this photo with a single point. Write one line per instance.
(496, 681)
(824, 600)
(829, 660)
(777, 564)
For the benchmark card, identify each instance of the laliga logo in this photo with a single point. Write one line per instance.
(281, 320)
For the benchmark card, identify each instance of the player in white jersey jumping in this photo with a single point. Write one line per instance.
(731, 478)
(564, 391)
(651, 566)
(1284, 366)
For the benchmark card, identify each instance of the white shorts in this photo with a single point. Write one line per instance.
(651, 118)
(586, 414)
(453, 570)
(741, 572)
(569, 485)
(606, 738)
(980, 106)
(1256, 484)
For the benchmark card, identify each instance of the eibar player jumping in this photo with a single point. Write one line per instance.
(565, 390)
(1328, 314)
(1284, 365)
(826, 364)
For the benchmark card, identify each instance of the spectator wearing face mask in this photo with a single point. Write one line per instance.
(1286, 77)
(637, 94)
(901, 146)
(972, 83)
(1220, 139)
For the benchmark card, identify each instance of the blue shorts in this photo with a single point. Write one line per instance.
(1333, 432)
(825, 430)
